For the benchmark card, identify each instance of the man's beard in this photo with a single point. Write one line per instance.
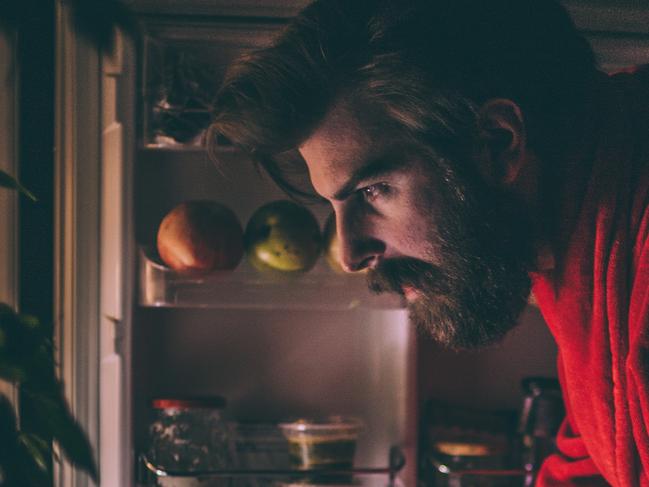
(477, 293)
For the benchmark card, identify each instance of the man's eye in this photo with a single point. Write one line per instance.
(374, 191)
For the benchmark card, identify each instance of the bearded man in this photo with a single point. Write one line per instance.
(473, 153)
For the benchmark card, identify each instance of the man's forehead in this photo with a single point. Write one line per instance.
(341, 143)
(339, 134)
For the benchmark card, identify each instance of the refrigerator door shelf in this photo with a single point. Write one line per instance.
(245, 287)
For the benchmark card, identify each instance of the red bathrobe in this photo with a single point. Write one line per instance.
(596, 298)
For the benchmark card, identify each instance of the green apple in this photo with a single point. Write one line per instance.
(282, 236)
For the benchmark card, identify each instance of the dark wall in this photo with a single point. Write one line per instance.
(36, 158)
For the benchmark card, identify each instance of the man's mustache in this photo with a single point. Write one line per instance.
(393, 275)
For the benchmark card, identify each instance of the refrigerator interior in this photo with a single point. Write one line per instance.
(309, 346)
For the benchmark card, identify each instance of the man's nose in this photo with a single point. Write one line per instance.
(358, 248)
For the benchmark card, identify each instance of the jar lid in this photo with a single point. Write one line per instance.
(468, 448)
(332, 424)
(200, 402)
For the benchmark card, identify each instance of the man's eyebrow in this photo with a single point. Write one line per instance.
(373, 169)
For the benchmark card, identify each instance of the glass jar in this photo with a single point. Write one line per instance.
(188, 435)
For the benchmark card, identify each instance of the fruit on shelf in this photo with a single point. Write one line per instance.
(200, 236)
(282, 236)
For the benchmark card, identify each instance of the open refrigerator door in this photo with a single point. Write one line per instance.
(8, 199)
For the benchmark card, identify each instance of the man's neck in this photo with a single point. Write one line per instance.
(555, 185)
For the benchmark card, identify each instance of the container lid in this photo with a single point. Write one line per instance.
(198, 402)
(331, 423)
(467, 448)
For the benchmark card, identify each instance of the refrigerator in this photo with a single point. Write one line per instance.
(128, 329)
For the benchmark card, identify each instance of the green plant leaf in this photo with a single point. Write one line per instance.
(8, 181)
(29, 321)
(38, 449)
(17, 463)
(27, 357)
(26, 350)
(11, 373)
(55, 419)
(22, 470)
(6, 309)
(7, 428)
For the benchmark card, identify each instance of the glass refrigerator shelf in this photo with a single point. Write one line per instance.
(149, 473)
(245, 287)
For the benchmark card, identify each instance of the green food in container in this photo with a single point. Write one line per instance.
(325, 444)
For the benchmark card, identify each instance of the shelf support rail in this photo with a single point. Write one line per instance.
(149, 471)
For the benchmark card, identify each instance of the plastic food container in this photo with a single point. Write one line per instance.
(188, 435)
(328, 444)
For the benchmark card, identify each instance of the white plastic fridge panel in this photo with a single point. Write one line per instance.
(116, 255)
(8, 199)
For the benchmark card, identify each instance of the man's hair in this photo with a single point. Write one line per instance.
(427, 65)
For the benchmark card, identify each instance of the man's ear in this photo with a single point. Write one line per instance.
(502, 130)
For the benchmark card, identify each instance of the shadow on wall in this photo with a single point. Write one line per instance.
(491, 378)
